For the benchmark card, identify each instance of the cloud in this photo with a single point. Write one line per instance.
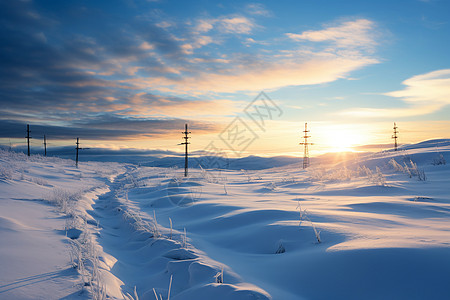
(258, 9)
(273, 75)
(423, 94)
(432, 87)
(197, 42)
(48, 72)
(348, 35)
(263, 72)
(237, 24)
(106, 127)
(205, 25)
(217, 28)
(234, 24)
(389, 112)
(144, 104)
(52, 74)
(343, 48)
(145, 70)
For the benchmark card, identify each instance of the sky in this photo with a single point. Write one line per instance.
(244, 76)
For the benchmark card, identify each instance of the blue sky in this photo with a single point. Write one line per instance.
(130, 74)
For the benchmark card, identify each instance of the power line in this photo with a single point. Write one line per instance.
(78, 148)
(305, 143)
(395, 137)
(186, 143)
(28, 137)
(45, 145)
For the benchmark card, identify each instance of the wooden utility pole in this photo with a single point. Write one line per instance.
(395, 137)
(28, 137)
(78, 148)
(45, 146)
(186, 143)
(306, 144)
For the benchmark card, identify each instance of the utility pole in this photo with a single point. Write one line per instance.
(28, 137)
(78, 148)
(395, 137)
(306, 144)
(185, 143)
(45, 146)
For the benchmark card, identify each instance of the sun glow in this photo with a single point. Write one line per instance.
(341, 143)
(338, 139)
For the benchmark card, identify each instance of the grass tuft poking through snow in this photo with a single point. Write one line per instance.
(170, 222)
(64, 200)
(219, 276)
(439, 160)
(225, 188)
(280, 249)
(128, 296)
(168, 292)
(304, 215)
(85, 260)
(156, 232)
(184, 239)
(141, 225)
(412, 170)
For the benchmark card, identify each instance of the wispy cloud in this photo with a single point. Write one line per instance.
(343, 49)
(432, 87)
(264, 75)
(423, 94)
(196, 43)
(236, 24)
(348, 35)
(147, 105)
(204, 25)
(258, 9)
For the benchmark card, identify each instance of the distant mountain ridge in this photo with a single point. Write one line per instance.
(168, 159)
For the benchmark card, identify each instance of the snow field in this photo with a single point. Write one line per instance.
(363, 226)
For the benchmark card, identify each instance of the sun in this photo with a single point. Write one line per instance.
(341, 143)
(341, 140)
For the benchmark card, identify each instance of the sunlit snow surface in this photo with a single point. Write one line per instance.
(355, 227)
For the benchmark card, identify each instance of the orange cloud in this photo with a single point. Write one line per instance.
(346, 50)
(143, 104)
(266, 76)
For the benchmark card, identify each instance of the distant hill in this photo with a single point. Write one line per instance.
(167, 159)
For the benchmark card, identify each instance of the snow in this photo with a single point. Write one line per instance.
(359, 226)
